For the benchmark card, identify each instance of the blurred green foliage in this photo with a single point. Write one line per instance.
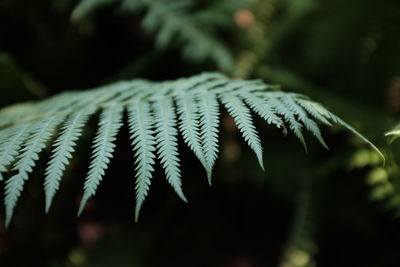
(326, 208)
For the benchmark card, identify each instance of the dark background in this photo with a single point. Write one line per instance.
(337, 207)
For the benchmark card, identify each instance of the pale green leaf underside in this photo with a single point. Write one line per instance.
(209, 121)
(158, 114)
(64, 146)
(142, 135)
(41, 133)
(103, 147)
(167, 145)
(241, 115)
(11, 144)
(189, 125)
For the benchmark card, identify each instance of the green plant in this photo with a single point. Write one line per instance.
(178, 23)
(394, 133)
(155, 113)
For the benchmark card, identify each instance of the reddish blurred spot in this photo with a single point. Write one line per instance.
(241, 261)
(393, 94)
(231, 150)
(244, 18)
(89, 232)
(229, 124)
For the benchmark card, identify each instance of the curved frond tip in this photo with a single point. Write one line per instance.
(157, 113)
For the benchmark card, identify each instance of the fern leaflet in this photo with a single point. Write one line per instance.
(103, 147)
(41, 133)
(189, 125)
(209, 120)
(289, 117)
(241, 115)
(11, 145)
(262, 108)
(167, 143)
(142, 135)
(311, 108)
(307, 122)
(64, 146)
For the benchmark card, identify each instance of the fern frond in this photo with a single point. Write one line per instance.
(156, 112)
(103, 147)
(242, 117)
(167, 143)
(64, 146)
(142, 135)
(41, 133)
(209, 121)
(175, 22)
(173, 19)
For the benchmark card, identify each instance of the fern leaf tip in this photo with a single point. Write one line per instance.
(47, 208)
(137, 216)
(182, 196)
(262, 166)
(82, 206)
(7, 223)
(323, 143)
(362, 137)
(209, 179)
(305, 145)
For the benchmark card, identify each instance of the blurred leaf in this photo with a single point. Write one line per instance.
(16, 85)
